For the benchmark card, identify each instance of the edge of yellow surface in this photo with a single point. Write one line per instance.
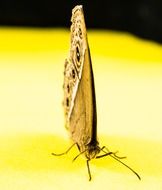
(120, 45)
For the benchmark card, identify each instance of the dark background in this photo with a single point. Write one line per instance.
(140, 17)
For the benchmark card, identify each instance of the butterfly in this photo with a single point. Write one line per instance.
(79, 95)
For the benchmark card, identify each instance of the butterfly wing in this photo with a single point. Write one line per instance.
(79, 99)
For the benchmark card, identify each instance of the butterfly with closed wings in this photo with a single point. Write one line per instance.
(79, 95)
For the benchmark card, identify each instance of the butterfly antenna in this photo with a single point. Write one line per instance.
(127, 166)
(113, 155)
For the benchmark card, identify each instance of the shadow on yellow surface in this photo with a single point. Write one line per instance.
(33, 153)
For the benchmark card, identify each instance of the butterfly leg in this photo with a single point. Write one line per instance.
(65, 151)
(78, 155)
(108, 152)
(103, 155)
(89, 171)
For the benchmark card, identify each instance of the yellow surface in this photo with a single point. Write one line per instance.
(128, 78)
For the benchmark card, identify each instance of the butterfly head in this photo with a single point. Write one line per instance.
(92, 151)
